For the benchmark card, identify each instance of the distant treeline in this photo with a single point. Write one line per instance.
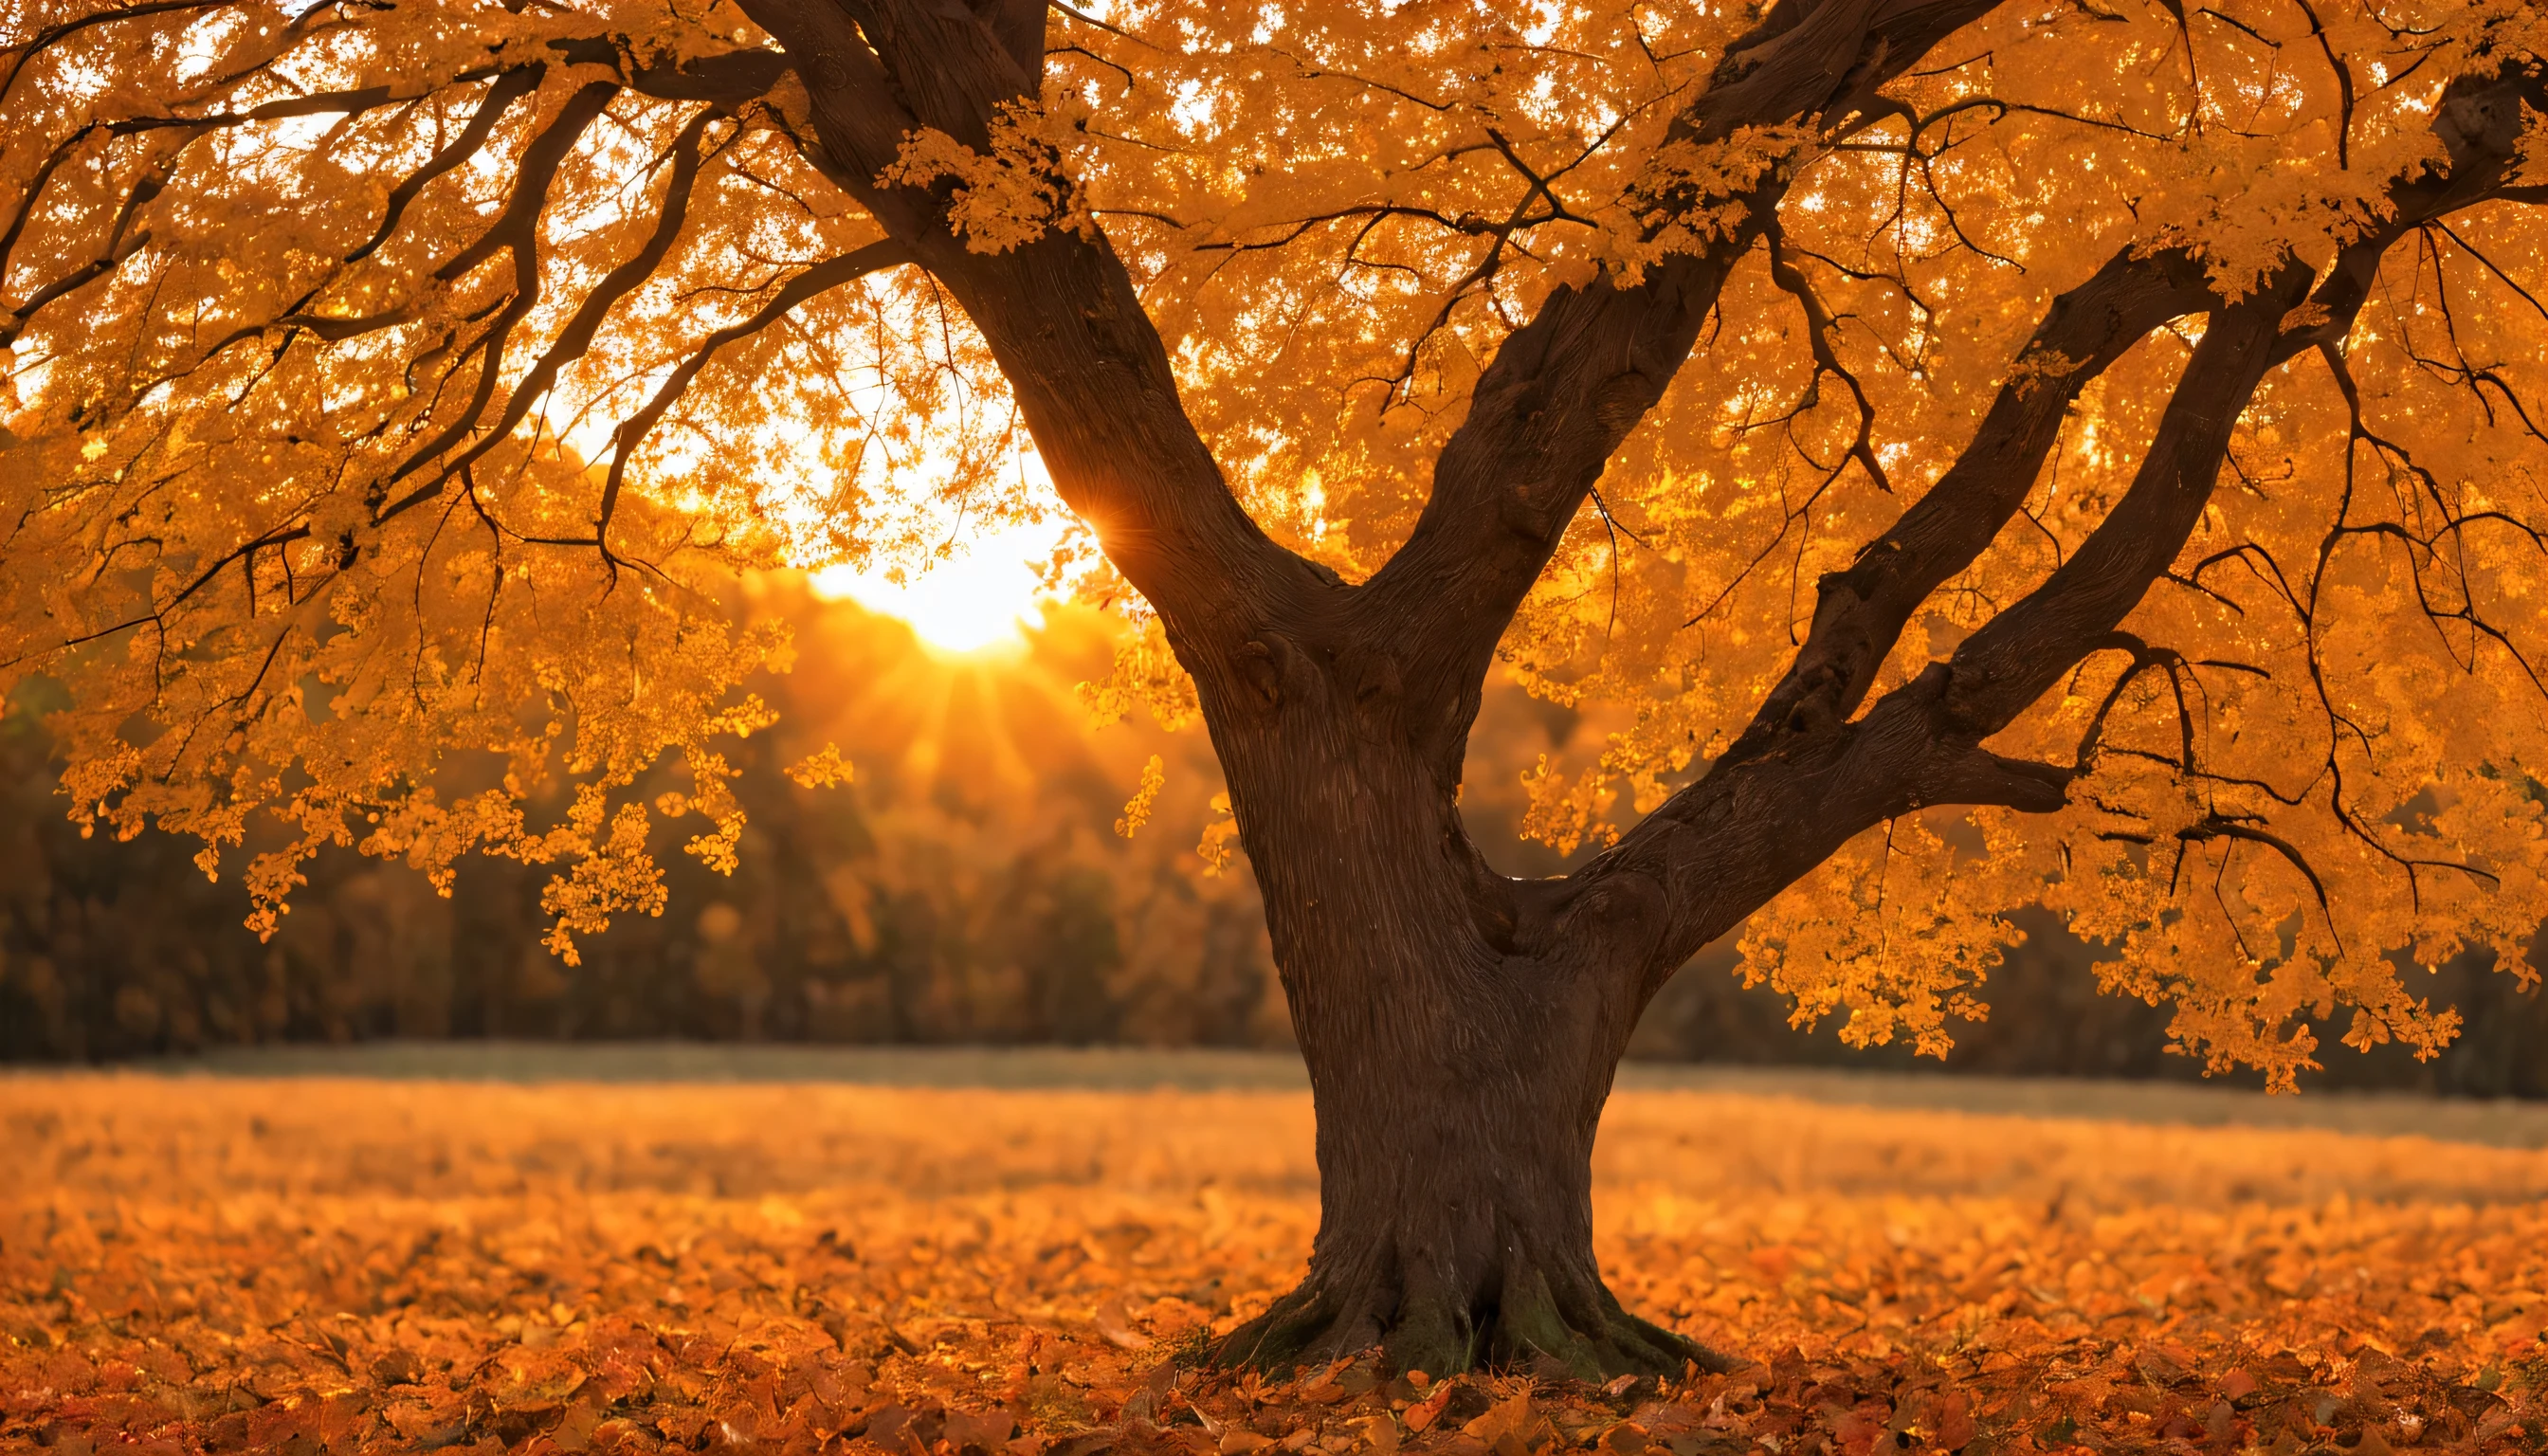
(968, 887)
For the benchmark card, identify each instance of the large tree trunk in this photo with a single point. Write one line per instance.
(1458, 1074)
(1455, 1197)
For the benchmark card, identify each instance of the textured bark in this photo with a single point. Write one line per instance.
(1458, 1059)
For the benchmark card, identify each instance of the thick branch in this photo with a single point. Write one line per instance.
(1862, 611)
(726, 79)
(2025, 650)
(1061, 313)
(517, 229)
(1564, 389)
(859, 119)
(1720, 848)
(575, 337)
(510, 87)
(1019, 27)
(1802, 781)
(2021, 653)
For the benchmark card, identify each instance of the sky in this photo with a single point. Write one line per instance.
(970, 602)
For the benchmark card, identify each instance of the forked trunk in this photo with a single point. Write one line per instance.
(1458, 1072)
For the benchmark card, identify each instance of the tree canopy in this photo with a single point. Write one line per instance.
(395, 392)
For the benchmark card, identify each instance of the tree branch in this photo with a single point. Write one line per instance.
(1019, 27)
(1061, 313)
(823, 277)
(54, 35)
(2021, 653)
(1719, 848)
(576, 335)
(517, 230)
(510, 87)
(2025, 650)
(1565, 389)
(1757, 820)
(728, 78)
(1862, 611)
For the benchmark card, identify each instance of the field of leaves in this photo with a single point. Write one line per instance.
(344, 1265)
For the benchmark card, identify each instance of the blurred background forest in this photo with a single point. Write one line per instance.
(969, 887)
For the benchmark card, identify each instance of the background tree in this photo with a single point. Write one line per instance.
(2008, 453)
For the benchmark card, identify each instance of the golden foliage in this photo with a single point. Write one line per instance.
(392, 1266)
(329, 334)
(1216, 848)
(1136, 809)
(1006, 198)
(823, 768)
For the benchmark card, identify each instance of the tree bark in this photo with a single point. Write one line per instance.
(1458, 1061)
(1455, 1150)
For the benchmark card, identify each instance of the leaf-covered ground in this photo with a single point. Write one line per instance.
(307, 1264)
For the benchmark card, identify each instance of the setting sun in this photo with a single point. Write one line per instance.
(974, 599)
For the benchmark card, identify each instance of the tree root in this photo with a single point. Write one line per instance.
(1597, 1340)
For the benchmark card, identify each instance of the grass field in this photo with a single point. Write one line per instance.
(279, 1258)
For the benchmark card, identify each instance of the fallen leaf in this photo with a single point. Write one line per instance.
(1512, 1414)
(1955, 1430)
(1378, 1432)
(1117, 1326)
(1421, 1415)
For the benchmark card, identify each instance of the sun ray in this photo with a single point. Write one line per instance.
(971, 601)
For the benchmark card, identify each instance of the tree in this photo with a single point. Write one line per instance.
(2072, 453)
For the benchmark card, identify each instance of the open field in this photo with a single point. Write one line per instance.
(2506, 1123)
(301, 1261)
